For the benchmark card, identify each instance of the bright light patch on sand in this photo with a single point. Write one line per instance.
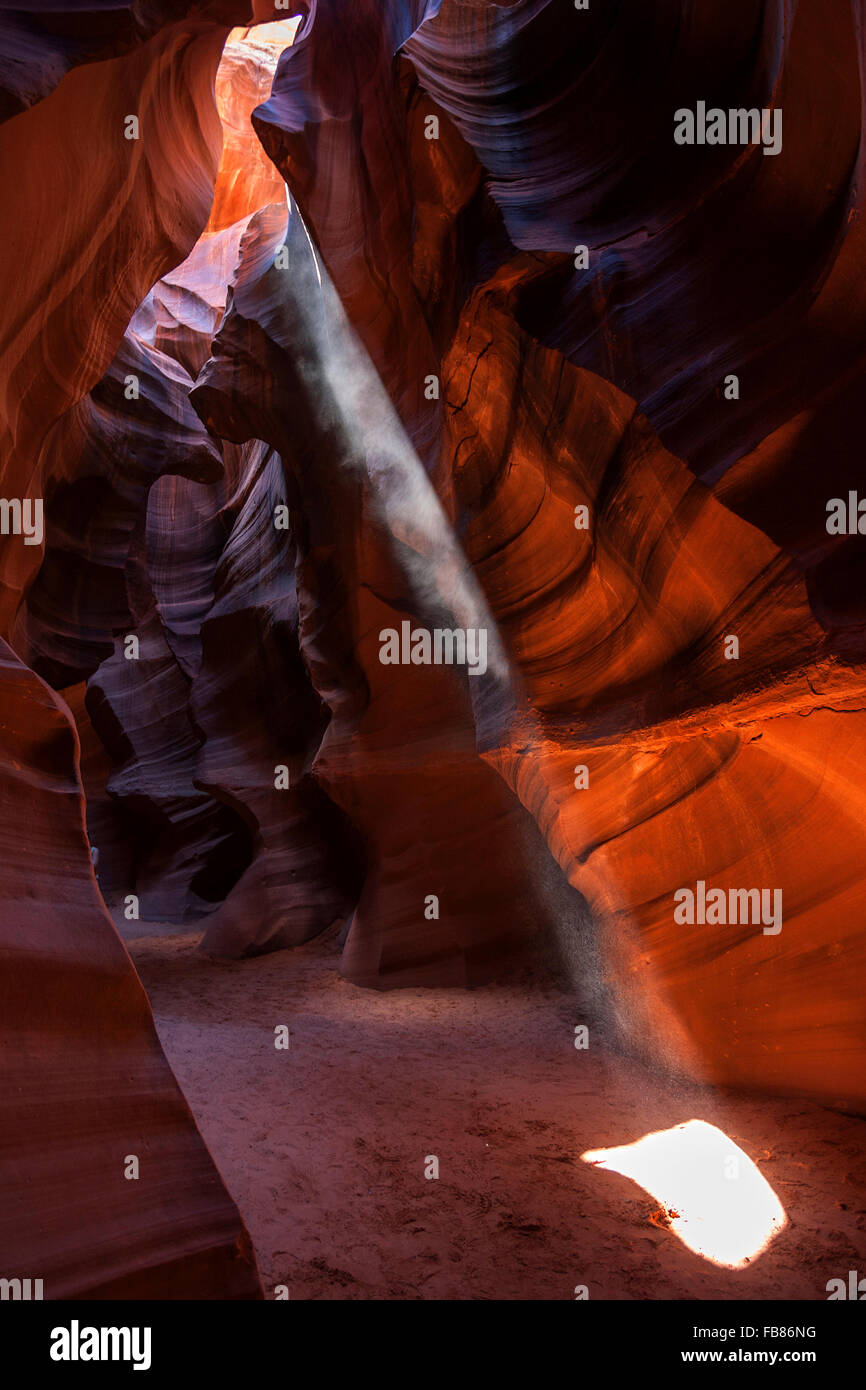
(713, 1196)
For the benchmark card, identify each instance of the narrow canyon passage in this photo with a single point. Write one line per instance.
(433, 651)
(323, 1146)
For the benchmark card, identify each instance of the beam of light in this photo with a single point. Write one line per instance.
(713, 1197)
(336, 368)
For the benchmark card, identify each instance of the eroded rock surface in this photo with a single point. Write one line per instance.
(359, 304)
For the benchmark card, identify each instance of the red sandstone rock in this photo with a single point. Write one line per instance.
(557, 389)
(84, 1080)
(85, 1083)
(246, 179)
(262, 724)
(619, 633)
(398, 737)
(111, 242)
(698, 767)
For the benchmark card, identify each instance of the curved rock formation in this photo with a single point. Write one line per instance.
(113, 242)
(262, 724)
(619, 633)
(99, 465)
(287, 369)
(703, 261)
(697, 767)
(445, 330)
(81, 215)
(246, 179)
(85, 1084)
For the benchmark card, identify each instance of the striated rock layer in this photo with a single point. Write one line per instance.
(700, 767)
(372, 319)
(697, 767)
(703, 260)
(89, 222)
(84, 1081)
(397, 736)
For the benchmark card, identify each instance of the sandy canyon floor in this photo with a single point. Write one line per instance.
(323, 1146)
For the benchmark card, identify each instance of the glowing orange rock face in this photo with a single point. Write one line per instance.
(473, 436)
(696, 767)
(703, 764)
(90, 220)
(90, 230)
(246, 179)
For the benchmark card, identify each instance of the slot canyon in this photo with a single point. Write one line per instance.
(432, 649)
